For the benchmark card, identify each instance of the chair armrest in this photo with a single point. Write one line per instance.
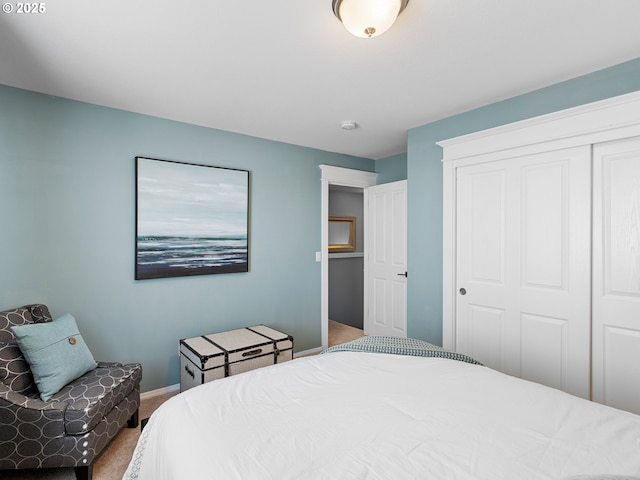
(17, 409)
(109, 364)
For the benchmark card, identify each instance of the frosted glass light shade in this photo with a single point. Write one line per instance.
(368, 18)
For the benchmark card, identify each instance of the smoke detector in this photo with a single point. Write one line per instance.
(348, 125)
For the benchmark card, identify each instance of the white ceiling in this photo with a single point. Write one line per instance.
(287, 70)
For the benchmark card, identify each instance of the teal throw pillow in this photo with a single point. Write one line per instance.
(55, 352)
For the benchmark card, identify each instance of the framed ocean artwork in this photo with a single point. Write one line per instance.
(190, 219)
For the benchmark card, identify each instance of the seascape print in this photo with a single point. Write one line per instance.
(191, 219)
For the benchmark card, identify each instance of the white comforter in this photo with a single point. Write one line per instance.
(349, 415)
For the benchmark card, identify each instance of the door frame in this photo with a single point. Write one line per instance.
(348, 178)
(610, 119)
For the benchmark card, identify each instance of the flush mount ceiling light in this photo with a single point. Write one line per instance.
(368, 18)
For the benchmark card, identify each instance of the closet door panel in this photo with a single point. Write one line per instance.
(621, 352)
(485, 335)
(544, 225)
(545, 350)
(554, 294)
(616, 282)
(483, 298)
(486, 224)
(523, 263)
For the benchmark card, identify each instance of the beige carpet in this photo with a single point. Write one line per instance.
(113, 462)
(340, 333)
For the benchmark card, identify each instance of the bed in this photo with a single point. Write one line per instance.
(407, 413)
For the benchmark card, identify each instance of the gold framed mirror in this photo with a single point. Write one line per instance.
(342, 234)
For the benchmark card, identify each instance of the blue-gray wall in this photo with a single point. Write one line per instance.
(424, 170)
(391, 169)
(67, 221)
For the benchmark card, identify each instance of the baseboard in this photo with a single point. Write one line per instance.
(312, 351)
(160, 391)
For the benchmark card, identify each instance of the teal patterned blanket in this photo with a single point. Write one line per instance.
(399, 346)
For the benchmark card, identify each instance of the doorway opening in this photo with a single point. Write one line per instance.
(346, 266)
(353, 180)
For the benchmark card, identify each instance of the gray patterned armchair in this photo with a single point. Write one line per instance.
(75, 424)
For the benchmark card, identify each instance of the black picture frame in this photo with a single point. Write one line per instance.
(191, 219)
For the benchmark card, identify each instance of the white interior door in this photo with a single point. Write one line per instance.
(616, 280)
(386, 260)
(523, 266)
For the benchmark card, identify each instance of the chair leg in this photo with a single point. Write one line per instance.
(133, 421)
(84, 473)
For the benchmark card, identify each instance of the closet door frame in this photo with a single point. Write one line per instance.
(606, 120)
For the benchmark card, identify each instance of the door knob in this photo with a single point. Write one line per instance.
(463, 291)
(403, 274)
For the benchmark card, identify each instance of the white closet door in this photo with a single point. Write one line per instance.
(523, 266)
(616, 281)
